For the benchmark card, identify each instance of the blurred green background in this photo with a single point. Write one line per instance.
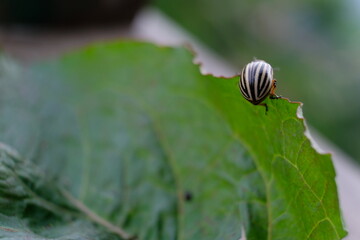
(313, 45)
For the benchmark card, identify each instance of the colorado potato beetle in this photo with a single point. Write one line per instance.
(257, 82)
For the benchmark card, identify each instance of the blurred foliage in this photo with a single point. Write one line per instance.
(312, 44)
(68, 13)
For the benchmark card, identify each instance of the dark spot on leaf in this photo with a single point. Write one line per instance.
(188, 196)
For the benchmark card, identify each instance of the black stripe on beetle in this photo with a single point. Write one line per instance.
(257, 82)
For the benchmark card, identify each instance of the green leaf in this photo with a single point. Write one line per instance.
(33, 207)
(141, 141)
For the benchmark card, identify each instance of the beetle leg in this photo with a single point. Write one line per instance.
(265, 105)
(272, 90)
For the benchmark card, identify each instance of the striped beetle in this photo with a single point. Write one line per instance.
(256, 82)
